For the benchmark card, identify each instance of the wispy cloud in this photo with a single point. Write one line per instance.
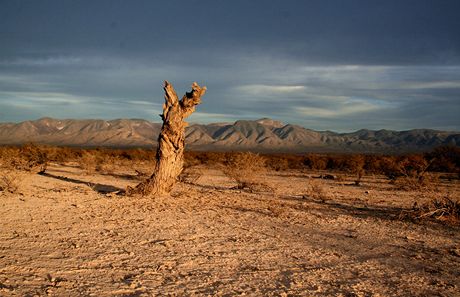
(431, 85)
(347, 108)
(209, 117)
(43, 61)
(259, 89)
(238, 88)
(35, 98)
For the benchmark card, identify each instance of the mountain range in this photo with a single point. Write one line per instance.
(264, 135)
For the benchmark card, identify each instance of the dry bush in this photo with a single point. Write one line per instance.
(445, 159)
(409, 172)
(445, 209)
(246, 168)
(35, 157)
(63, 155)
(193, 158)
(29, 157)
(10, 180)
(88, 162)
(107, 164)
(356, 166)
(9, 157)
(315, 161)
(426, 181)
(277, 163)
(98, 160)
(316, 190)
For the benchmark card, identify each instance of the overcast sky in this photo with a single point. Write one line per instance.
(326, 65)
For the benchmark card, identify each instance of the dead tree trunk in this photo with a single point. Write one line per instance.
(171, 142)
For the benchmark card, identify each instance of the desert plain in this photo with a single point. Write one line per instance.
(71, 232)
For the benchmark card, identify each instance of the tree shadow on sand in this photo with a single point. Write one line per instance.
(100, 188)
(336, 207)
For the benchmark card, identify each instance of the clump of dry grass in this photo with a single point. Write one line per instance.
(10, 181)
(425, 181)
(88, 162)
(35, 156)
(410, 173)
(316, 190)
(246, 168)
(29, 157)
(107, 164)
(442, 209)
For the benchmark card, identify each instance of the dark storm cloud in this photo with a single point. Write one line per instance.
(336, 65)
(345, 32)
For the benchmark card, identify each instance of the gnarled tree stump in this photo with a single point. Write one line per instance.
(171, 142)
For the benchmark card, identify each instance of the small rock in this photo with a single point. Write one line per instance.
(455, 252)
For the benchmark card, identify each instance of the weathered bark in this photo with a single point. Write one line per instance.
(171, 142)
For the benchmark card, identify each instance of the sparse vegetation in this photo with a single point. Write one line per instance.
(10, 181)
(223, 202)
(88, 162)
(32, 157)
(316, 190)
(442, 209)
(245, 168)
(36, 157)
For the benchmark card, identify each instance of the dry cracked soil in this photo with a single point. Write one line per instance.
(67, 233)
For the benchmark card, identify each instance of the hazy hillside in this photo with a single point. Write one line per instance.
(260, 135)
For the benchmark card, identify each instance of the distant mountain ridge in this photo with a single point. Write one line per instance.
(265, 135)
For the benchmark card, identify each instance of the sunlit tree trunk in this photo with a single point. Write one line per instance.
(171, 142)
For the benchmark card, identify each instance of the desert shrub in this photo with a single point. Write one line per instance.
(35, 157)
(29, 157)
(32, 157)
(9, 157)
(207, 158)
(408, 172)
(88, 162)
(244, 168)
(191, 160)
(294, 161)
(411, 183)
(444, 209)
(106, 164)
(10, 180)
(354, 164)
(314, 161)
(316, 190)
(64, 154)
(135, 154)
(445, 159)
(98, 160)
(278, 163)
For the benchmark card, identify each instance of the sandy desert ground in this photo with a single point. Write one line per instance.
(66, 234)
